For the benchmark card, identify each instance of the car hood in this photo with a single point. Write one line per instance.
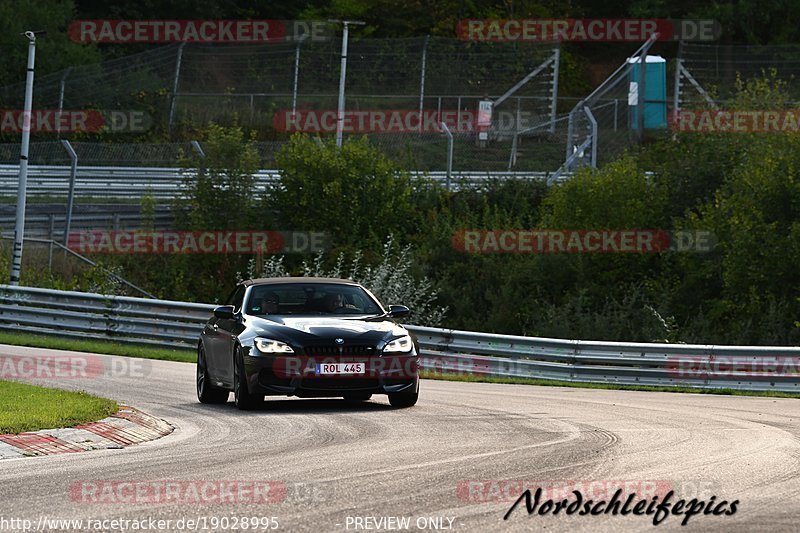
(321, 328)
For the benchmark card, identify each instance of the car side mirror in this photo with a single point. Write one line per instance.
(224, 311)
(399, 311)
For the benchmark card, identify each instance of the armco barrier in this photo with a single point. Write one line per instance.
(168, 182)
(178, 324)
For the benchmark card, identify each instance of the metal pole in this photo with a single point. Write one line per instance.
(676, 96)
(593, 122)
(61, 89)
(19, 231)
(422, 79)
(449, 154)
(640, 91)
(342, 77)
(570, 129)
(197, 148)
(556, 60)
(71, 198)
(175, 79)
(52, 222)
(296, 73)
(512, 160)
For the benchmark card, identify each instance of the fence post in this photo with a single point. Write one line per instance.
(449, 154)
(175, 79)
(61, 88)
(422, 79)
(594, 134)
(197, 148)
(570, 129)
(296, 73)
(556, 61)
(676, 96)
(51, 223)
(512, 159)
(71, 196)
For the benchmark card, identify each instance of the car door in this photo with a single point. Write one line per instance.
(228, 329)
(216, 342)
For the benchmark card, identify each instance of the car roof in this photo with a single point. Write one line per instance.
(305, 280)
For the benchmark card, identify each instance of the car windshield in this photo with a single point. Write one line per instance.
(311, 299)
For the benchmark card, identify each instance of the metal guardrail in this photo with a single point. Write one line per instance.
(168, 182)
(177, 325)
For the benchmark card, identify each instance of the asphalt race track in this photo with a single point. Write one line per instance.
(452, 461)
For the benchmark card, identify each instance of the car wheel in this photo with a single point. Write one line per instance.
(241, 394)
(206, 392)
(357, 397)
(404, 399)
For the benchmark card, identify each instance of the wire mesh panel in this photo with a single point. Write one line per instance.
(398, 91)
(711, 71)
(125, 95)
(617, 113)
(39, 153)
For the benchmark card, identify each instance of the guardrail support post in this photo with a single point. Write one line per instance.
(449, 154)
(51, 222)
(73, 157)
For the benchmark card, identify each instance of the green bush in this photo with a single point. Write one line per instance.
(354, 193)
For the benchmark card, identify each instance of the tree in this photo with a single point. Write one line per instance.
(220, 185)
(54, 51)
(354, 193)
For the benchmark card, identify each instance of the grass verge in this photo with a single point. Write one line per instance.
(97, 346)
(30, 408)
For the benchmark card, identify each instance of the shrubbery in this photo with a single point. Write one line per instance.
(743, 188)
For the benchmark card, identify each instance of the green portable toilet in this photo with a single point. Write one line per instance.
(655, 93)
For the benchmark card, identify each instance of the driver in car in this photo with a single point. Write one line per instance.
(269, 303)
(335, 301)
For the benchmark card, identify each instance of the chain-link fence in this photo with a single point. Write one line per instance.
(617, 113)
(707, 74)
(398, 91)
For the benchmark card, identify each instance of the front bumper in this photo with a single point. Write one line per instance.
(297, 375)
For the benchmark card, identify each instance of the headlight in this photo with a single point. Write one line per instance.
(272, 346)
(401, 345)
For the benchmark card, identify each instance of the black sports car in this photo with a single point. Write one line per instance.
(306, 337)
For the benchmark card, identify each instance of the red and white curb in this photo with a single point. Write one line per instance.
(128, 426)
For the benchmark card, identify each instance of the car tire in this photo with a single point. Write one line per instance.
(357, 397)
(242, 397)
(404, 399)
(206, 392)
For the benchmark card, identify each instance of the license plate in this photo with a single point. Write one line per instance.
(327, 369)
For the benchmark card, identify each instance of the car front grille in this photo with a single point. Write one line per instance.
(329, 350)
